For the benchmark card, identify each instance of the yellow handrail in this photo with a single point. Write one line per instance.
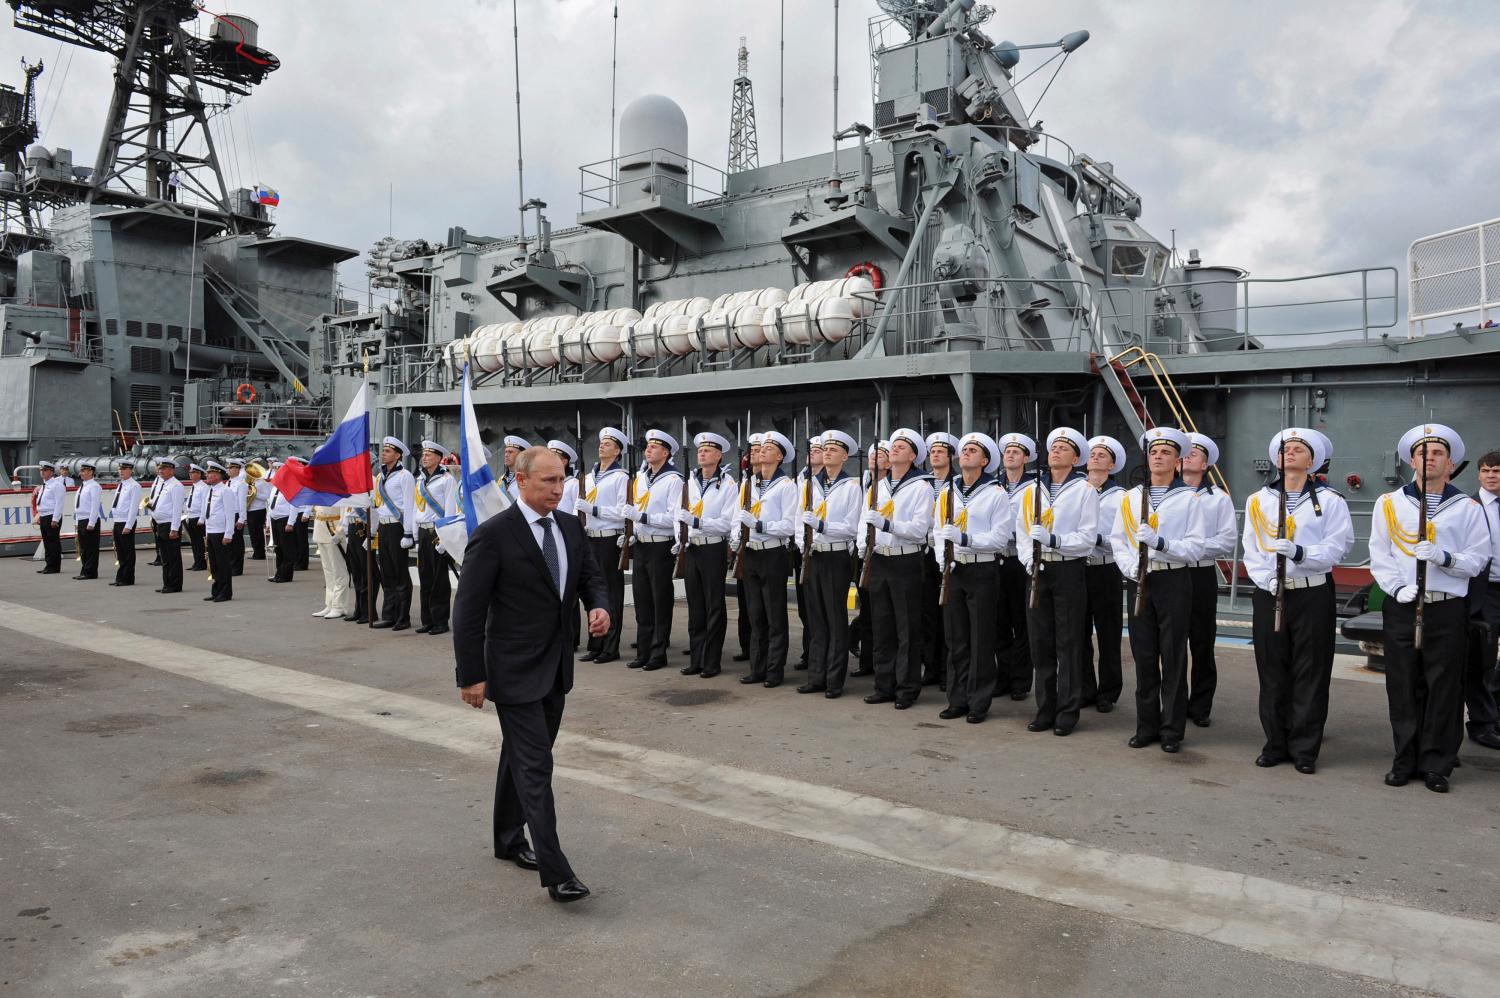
(1131, 356)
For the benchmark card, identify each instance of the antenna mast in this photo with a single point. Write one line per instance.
(744, 150)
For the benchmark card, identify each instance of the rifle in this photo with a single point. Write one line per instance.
(1035, 603)
(1416, 634)
(948, 545)
(682, 530)
(747, 491)
(1280, 536)
(864, 571)
(1145, 553)
(583, 478)
(807, 532)
(629, 522)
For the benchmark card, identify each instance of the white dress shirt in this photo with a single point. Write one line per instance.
(712, 504)
(837, 505)
(219, 511)
(90, 505)
(658, 497)
(239, 485)
(1457, 528)
(1219, 526)
(279, 507)
(532, 516)
(434, 497)
(168, 505)
(1489, 505)
(127, 505)
(397, 503)
(1011, 488)
(907, 508)
(1316, 521)
(569, 501)
(603, 491)
(1177, 520)
(1111, 494)
(197, 492)
(51, 498)
(981, 512)
(1071, 518)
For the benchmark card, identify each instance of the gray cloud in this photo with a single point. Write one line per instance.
(1284, 137)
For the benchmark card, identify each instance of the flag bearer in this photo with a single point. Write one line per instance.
(396, 533)
(434, 500)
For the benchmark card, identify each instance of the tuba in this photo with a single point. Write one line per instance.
(253, 474)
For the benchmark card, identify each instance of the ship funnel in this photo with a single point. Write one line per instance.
(1073, 41)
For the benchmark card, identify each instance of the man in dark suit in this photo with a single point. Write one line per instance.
(524, 572)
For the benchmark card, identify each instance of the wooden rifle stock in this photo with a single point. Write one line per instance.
(1144, 568)
(864, 571)
(629, 522)
(1417, 623)
(1281, 536)
(948, 545)
(807, 532)
(583, 481)
(682, 528)
(747, 491)
(1035, 602)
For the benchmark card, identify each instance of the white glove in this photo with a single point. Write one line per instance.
(1145, 534)
(624, 511)
(439, 548)
(948, 532)
(1284, 547)
(810, 519)
(676, 548)
(872, 518)
(685, 518)
(1274, 586)
(1040, 534)
(745, 518)
(1428, 551)
(1406, 594)
(408, 543)
(620, 542)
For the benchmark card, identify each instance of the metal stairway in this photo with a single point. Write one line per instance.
(271, 340)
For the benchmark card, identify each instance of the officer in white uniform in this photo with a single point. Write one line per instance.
(255, 514)
(712, 499)
(1166, 518)
(837, 502)
(220, 522)
(51, 497)
(281, 518)
(1105, 585)
(604, 492)
(88, 510)
(122, 517)
(166, 523)
(239, 484)
(192, 516)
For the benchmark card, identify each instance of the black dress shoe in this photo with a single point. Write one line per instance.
(686, 651)
(952, 713)
(874, 698)
(587, 656)
(635, 663)
(976, 718)
(863, 672)
(771, 684)
(383, 623)
(1306, 768)
(1395, 779)
(568, 890)
(522, 857)
(117, 583)
(1201, 722)
(904, 704)
(1171, 748)
(1266, 760)
(439, 629)
(690, 670)
(810, 688)
(1039, 725)
(750, 680)
(1140, 741)
(423, 629)
(1436, 782)
(800, 667)
(208, 599)
(221, 599)
(742, 657)
(1018, 695)
(653, 666)
(602, 659)
(832, 694)
(708, 675)
(394, 627)
(1104, 706)
(154, 564)
(1061, 731)
(358, 620)
(1488, 739)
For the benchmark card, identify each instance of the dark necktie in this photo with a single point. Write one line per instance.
(549, 553)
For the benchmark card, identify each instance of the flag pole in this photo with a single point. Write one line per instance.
(369, 512)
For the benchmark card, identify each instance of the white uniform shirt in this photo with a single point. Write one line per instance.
(1220, 528)
(658, 497)
(1011, 488)
(1317, 522)
(907, 508)
(1072, 517)
(1110, 497)
(1457, 527)
(838, 505)
(197, 492)
(774, 504)
(262, 498)
(127, 505)
(395, 498)
(603, 491)
(1177, 519)
(279, 507)
(51, 496)
(240, 486)
(168, 505)
(569, 501)
(90, 505)
(1489, 505)
(434, 496)
(712, 504)
(982, 512)
(219, 511)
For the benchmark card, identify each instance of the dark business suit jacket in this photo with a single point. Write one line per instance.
(510, 627)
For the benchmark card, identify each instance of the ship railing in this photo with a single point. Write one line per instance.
(1453, 275)
(930, 321)
(600, 184)
(1309, 310)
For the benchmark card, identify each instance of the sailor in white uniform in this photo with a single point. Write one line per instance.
(832, 522)
(1222, 533)
(1105, 585)
(396, 533)
(942, 461)
(514, 445)
(1013, 640)
(436, 498)
(603, 493)
(770, 520)
(122, 518)
(658, 496)
(712, 503)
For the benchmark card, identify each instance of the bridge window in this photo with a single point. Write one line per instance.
(1128, 260)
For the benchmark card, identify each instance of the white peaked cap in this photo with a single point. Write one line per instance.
(1114, 447)
(520, 443)
(560, 446)
(841, 438)
(616, 434)
(1209, 447)
(710, 439)
(396, 443)
(1020, 440)
(1166, 434)
(987, 443)
(782, 442)
(914, 438)
(435, 447)
(1072, 436)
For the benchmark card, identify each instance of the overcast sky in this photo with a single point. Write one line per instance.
(1284, 137)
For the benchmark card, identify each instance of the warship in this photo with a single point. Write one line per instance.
(945, 264)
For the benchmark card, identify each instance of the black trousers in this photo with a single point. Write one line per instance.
(607, 554)
(860, 632)
(51, 529)
(255, 523)
(1013, 642)
(1106, 587)
(365, 582)
(170, 551)
(1158, 642)
(828, 577)
(1058, 630)
(286, 549)
(194, 530)
(237, 552)
(1295, 667)
(1203, 629)
(1424, 689)
(934, 640)
(1484, 607)
(395, 574)
(523, 783)
(301, 533)
(973, 617)
(765, 601)
(432, 579)
(742, 616)
(124, 556)
(651, 567)
(794, 562)
(87, 543)
(703, 577)
(895, 612)
(220, 566)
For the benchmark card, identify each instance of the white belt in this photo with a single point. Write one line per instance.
(653, 539)
(1306, 582)
(1210, 563)
(1166, 566)
(895, 551)
(707, 539)
(1100, 559)
(1009, 551)
(775, 542)
(974, 559)
(820, 546)
(605, 533)
(1432, 596)
(1046, 556)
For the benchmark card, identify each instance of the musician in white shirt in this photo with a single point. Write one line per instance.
(88, 510)
(166, 523)
(122, 516)
(51, 499)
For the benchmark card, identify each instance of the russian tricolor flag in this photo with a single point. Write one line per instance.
(338, 469)
(267, 195)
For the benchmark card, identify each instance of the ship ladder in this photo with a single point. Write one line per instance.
(1121, 383)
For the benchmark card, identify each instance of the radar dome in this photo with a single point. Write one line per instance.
(652, 122)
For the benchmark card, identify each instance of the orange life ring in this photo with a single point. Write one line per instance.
(869, 270)
(245, 393)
